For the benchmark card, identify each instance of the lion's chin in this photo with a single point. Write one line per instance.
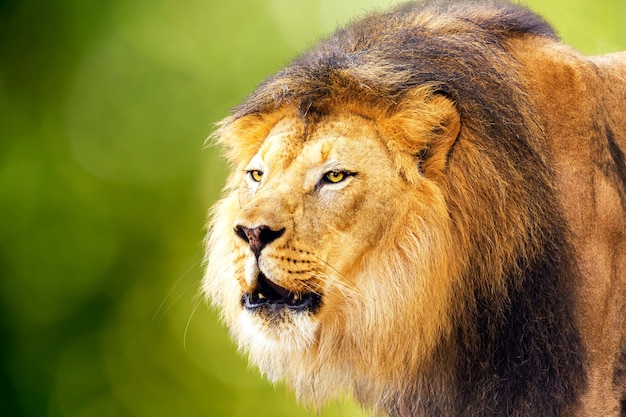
(276, 321)
(272, 335)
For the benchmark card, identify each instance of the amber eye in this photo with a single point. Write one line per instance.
(256, 175)
(335, 176)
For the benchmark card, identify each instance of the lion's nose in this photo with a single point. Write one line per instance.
(258, 237)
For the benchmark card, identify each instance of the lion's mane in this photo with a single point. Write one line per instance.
(511, 345)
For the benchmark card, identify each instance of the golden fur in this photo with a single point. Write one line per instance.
(471, 257)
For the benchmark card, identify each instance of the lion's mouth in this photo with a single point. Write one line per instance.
(268, 294)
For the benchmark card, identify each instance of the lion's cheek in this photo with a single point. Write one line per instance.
(353, 225)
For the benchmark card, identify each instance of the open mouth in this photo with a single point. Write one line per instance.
(268, 294)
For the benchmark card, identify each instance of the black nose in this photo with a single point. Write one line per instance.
(258, 237)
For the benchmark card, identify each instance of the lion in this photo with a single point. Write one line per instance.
(427, 211)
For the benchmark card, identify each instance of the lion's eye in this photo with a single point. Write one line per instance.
(335, 176)
(256, 175)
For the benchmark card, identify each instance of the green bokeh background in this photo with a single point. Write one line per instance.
(104, 188)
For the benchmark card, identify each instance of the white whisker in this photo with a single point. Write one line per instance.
(160, 311)
(195, 308)
(342, 283)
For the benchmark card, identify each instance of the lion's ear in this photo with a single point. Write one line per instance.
(421, 133)
(435, 156)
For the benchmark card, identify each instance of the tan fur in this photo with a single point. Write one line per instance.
(428, 229)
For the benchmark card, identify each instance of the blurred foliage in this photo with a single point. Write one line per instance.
(105, 183)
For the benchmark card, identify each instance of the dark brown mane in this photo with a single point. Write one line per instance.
(378, 59)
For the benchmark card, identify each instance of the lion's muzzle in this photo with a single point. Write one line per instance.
(266, 295)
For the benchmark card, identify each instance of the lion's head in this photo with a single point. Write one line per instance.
(319, 232)
(391, 225)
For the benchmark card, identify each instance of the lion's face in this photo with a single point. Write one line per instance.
(316, 236)
(308, 211)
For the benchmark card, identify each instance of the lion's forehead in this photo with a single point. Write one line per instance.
(282, 145)
(340, 139)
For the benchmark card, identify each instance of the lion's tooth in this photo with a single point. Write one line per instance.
(261, 296)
